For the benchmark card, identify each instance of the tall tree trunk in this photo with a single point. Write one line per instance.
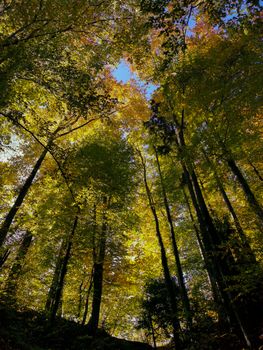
(254, 204)
(55, 279)
(59, 276)
(98, 280)
(221, 267)
(152, 331)
(86, 308)
(210, 237)
(22, 194)
(166, 272)
(4, 257)
(80, 301)
(15, 272)
(211, 276)
(185, 299)
(224, 195)
(210, 262)
(94, 257)
(256, 170)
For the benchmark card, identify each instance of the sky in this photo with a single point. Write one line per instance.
(122, 73)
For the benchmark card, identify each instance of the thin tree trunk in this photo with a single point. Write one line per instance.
(4, 257)
(80, 298)
(54, 305)
(206, 247)
(211, 239)
(224, 195)
(256, 170)
(254, 204)
(152, 331)
(55, 279)
(86, 309)
(98, 280)
(210, 273)
(185, 299)
(22, 194)
(15, 272)
(166, 272)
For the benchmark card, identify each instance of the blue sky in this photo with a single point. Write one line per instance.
(122, 73)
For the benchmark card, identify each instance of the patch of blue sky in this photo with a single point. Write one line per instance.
(231, 15)
(122, 73)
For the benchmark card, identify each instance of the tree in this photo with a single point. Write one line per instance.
(156, 314)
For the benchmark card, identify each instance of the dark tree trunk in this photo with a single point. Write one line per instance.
(55, 279)
(256, 171)
(211, 239)
(80, 298)
(152, 331)
(19, 200)
(166, 272)
(232, 212)
(254, 204)
(16, 269)
(98, 280)
(221, 266)
(185, 299)
(211, 276)
(59, 277)
(94, 256)
(4, 257)
(86, 308)
(207, 250)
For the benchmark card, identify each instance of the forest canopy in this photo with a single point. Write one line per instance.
(130, 221)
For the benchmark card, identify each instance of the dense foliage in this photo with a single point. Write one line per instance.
(123, 215)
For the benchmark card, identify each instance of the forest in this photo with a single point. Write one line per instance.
(131, 211)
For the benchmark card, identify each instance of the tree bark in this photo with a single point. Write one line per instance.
(53, 302)
(166, 271)
(86, 308)
(210, 237)
(56, 276)
(211, 276)
(98, 280)
(232, 212)
(254, 204)
(20, 198)
(4, 257)
(256, 170)
(15, 272)
(80, 298)
(185, 299)
(152, 331)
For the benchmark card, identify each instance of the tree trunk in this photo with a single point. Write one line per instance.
(254, 204)
(152, 331)
(98, 280)
(166, 272)
(59, 276)
(224, 195)
(86, 308)
(22, 194)
(210, 261)
(256, 170)
(211, 239)
(4, 257)
(185, 299)
(80, 298)
(55, 279)
(211, 276)
(15, 272)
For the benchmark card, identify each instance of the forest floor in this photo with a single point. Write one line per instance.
(30, 330)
